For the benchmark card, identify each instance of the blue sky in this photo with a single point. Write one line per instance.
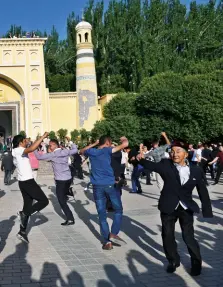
(42, 14)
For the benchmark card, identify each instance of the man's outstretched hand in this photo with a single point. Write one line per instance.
(124, 141)
(46, 134)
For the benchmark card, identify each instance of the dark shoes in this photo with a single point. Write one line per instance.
(22, 236)
(214, 183)
(70, 193)
(68, 222)
(107, 246)
(23, 219)
(149, 183)
(196, 268)
(137, 192)
(171, 268)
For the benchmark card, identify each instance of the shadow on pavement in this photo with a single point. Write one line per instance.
(2, 193)
(5, 229)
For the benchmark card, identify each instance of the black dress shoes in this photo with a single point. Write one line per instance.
(171, 268)
(68, 222)
(196, 269)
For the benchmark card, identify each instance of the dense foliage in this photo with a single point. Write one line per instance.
(188, 107)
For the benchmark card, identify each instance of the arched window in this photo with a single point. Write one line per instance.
(86, 37)
(79, 38)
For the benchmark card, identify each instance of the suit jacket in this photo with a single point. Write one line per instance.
(7, 161)
(133, 153)
(173, 191)
(116, 163)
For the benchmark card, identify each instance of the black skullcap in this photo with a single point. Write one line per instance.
(180, 143)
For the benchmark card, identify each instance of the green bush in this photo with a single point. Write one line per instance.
(52, 135)
(121, 104)
(22, 133)
(62, 133)
(189, 107)
(74, 135)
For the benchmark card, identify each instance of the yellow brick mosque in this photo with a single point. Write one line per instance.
(25, 101)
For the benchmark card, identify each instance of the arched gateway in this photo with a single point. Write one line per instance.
(12, 116)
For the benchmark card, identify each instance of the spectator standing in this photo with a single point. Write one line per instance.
(7, 166)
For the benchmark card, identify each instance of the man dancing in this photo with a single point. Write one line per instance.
(103, 181)
(29, 188)
(59, 158)
(176, 203)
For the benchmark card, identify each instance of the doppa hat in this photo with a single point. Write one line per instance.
(180, 143)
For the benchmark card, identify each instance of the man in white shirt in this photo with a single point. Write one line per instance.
(46, 141)
(29, 188)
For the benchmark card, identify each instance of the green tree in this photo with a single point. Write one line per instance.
(62, 133)
(52, 135)
(74, 135)
(125, 125)
(122, 104)
(22, 133)
(188, 107)
(84, 134)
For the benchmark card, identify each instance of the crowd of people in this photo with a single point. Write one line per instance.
(177, 168)
(26, 35)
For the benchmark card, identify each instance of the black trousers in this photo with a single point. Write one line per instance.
(62, 189)
(186, 221)
(78, 171)
(7, 177)
(122, 175)
(30, 190)
(148, 173)
(219, 172)
(203, 169)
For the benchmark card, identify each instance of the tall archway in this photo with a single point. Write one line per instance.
(12, 106)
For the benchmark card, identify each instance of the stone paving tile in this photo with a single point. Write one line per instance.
(58, 256)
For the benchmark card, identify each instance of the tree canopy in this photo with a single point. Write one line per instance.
(187, 107)
(136, 39)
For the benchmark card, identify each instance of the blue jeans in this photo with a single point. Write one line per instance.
(101, 193)
(137, 170)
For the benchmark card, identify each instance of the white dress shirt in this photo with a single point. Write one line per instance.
(184, 173)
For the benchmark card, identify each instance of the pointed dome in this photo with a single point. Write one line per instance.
(83, 25)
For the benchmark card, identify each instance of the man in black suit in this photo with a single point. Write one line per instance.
(176, 203)
(7, 165)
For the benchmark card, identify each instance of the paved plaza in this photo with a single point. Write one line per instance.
(72, 256)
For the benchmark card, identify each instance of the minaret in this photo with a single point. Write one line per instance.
(86, 84)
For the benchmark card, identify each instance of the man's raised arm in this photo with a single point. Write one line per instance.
(66, 152)
(44, 156)
(88, 147)
(166, 138)
(124, 144)
(36, 144)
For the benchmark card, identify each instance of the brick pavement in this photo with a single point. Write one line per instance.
(72, 256)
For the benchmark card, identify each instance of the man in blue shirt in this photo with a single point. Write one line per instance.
(103, 180)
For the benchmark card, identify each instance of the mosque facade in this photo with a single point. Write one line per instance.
(27, 105)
